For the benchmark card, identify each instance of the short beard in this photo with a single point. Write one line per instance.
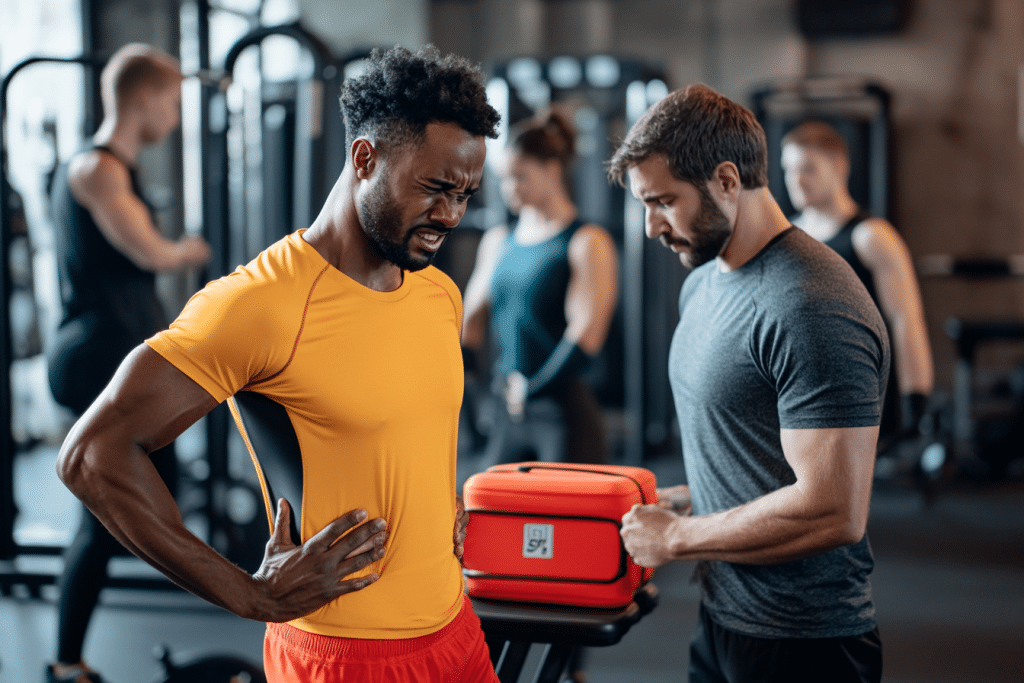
(711, 231)
(382, 221)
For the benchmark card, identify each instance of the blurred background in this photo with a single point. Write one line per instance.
(929, 94)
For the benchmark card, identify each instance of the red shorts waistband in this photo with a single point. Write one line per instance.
(340, 648)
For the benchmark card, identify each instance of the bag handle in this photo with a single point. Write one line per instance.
(526, 468)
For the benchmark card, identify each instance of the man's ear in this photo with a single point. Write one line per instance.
(140, 100)
(364, 158)
(725, 181)
(554, 168)
(842, 165)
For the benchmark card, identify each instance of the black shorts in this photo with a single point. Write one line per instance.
(718, 655)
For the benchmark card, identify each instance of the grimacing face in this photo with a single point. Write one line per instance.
(682, 216)
(419, 194)
(812, 176)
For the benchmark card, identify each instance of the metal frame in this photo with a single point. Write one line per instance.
(8, 548)
(512, 628)
(214, 155)
(311, 154)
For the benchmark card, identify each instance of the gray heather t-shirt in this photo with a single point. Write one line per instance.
(790, 340)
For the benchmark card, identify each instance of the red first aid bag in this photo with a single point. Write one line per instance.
(549, 533)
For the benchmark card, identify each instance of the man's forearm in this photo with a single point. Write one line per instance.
(778, 527)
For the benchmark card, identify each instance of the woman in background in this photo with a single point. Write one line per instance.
(547, 285)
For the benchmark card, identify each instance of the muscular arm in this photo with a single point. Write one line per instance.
(104, 461)
(102, 185)
(827, 507)
(477, 301)
(881, 249)
(593, 288)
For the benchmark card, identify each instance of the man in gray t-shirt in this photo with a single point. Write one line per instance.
(778, 368)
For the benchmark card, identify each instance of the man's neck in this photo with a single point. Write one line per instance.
(822, 222)
(120, 138)
(759, 220)
(337, 235)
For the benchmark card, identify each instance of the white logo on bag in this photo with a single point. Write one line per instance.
(539, 541)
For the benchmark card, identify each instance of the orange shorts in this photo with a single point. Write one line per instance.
(455, 654)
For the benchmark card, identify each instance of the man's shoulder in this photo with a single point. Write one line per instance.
(260, 303)
(96, 172)
(798, 257)
(279, 271)
(433, 287)
(802, 273)
(433, 277)
(288, 260)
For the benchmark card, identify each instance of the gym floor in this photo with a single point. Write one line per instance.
(948, 585)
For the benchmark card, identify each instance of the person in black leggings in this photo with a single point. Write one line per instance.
(547, 288)
(109, 249)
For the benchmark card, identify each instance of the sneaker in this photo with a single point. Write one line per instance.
(77, 675)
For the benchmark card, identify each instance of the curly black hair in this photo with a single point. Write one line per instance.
(402, 91)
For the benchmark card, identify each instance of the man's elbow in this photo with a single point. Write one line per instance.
(848, 529)
(73, 465)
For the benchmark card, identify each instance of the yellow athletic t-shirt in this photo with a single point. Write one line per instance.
(372, 382)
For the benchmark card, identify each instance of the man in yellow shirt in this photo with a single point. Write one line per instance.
(348, 329)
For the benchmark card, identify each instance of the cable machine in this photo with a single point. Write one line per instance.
(9, 548)
(304, 148)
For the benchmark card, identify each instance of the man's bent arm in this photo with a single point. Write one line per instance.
(826, 508)
(105, 462)
(103, 186)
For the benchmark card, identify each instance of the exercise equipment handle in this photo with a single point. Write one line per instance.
(320, 52)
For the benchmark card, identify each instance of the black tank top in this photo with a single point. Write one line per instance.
(95, 278)
(842, 243)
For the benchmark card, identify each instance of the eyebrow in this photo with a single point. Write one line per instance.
(647, 198)
(447, 186)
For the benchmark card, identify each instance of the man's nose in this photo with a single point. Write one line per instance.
(654, 225)
(448, 211)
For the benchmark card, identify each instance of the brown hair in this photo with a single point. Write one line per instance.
(818, 135)
(546, 136)
(133, 67)
(696, 129)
